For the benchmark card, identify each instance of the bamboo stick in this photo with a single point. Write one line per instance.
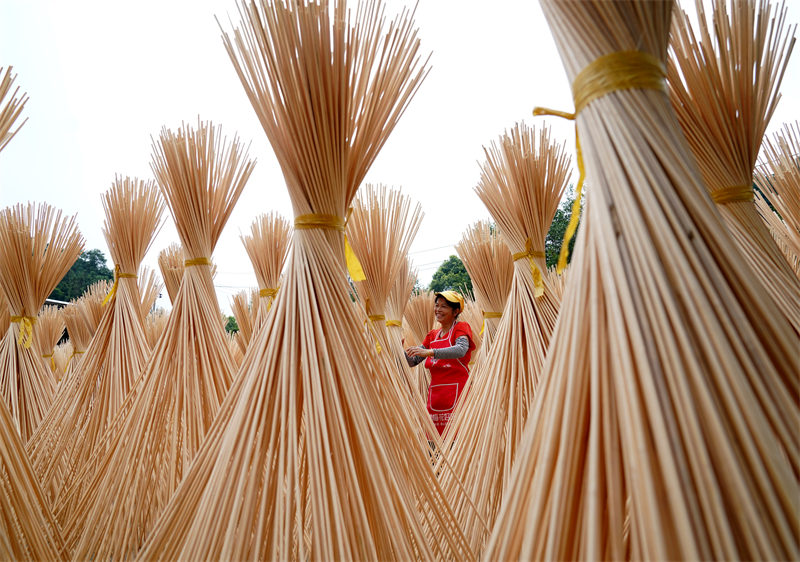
(154, 324)
(170, 262)
(323, 475)
(39, 247)
(658, 430)
(724, 84)
(150, 287)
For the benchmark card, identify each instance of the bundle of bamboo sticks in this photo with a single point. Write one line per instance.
(48, 329)
(488, 261)
(348, 485)
(267, 246)
(39, 247)
(170, 262)
(419, 320)
(244, 306)
(522, 182)
(10, 107)
(144, 453)
(778, 178)
(149, 288)
(724, 85)
(661, 427)
(118, 348)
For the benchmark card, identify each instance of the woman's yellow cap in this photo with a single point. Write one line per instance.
(453, 297)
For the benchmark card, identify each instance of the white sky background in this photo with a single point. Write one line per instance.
(104, 76)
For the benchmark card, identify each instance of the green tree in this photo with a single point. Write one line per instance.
(231, 325)
(555, 236)
(452, 276)
(89, 268)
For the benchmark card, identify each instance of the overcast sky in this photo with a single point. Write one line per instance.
(104, 76)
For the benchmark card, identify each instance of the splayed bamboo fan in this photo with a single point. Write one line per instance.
(170, 262)
(118, 349)
(29, 530)
(149, 288)
(48, 329)
(346, 486)
(154, 325)
(724, 87)
(39, 246)
(778, 178)
(267, 246)
(10, 108)
(662, 386)
(79, 336)
(557, 281)
(779, 231)
(111, 506)
(245, 310)
(419, 320)
(522, 182)
(488, 261)
(61, 355)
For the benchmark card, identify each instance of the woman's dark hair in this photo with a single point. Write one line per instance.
(454, 305)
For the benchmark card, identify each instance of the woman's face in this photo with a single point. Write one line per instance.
(444, 314)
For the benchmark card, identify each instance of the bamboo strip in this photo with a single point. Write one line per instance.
(149, 287)
(419, 320)
(724, 87)
(39, 247)
(660, 401)
(303, 463)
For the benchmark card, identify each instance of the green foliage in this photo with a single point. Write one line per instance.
(89, 268)
(555, 236)
(452, 276)
(231, 325)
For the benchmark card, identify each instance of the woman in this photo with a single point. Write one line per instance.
(447, 352)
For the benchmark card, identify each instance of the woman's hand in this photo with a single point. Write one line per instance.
(419, 351)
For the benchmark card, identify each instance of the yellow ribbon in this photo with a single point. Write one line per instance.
(268, 292)
(52, 361)
(26, 323)
(117, 276)
(733, 194)
(74, 353)
(376, 317)
(529, 253)
(489, 315)
(397, 323)
(197, 261)
(333, 222)
(623, 70)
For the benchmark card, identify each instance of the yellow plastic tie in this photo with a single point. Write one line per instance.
(268, 292)
(197, 261)
(333, 222)
(396, 323)
(489, 315)
(117, 276)
(376, 317)
(733, 194)
(52, 361)
(623, 70)
(538, 284)
(26, 323)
